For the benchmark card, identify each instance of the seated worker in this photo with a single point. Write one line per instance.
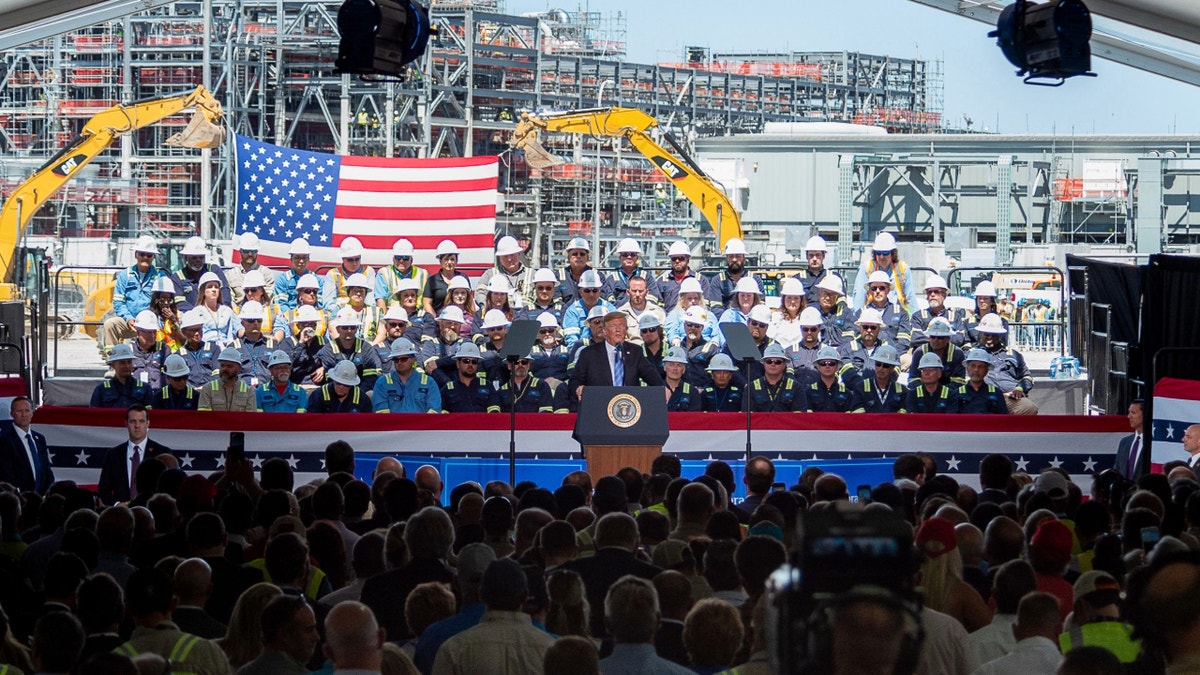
(406, 389)
(341, 393)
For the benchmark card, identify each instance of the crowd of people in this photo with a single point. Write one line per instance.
(169, 570)
(400, 339)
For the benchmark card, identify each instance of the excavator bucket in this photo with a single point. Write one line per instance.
(199, 133)
(536, 156)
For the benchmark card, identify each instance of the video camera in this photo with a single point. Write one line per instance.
(844, 556)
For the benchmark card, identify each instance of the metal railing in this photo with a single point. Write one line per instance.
(1051, 334)
(56, 320)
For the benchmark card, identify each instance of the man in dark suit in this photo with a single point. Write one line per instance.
(1130, 462)
(24, 459)
(613, 362)
(616, 540)
(121, 462)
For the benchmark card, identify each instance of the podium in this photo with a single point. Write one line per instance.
(620, 427)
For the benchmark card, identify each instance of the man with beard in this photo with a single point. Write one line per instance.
(406, 389)
(669, 282)
(939, 335)
(578, 255)
(508, 265)
(814, 251)
(1008, 371)
(936, 290)
(523, 392)
(700, 351)
(977, 396)
(395, 323)
(639, 305)
(347, 346)
(545, 295)
(437, 352)
(726, 281)
(629, 254)
(248, 246)
(776, 391)
(228, 393)
(470, 389)
(836, 316)
(651, 338)
(579, 311)
(310, 340)
(187, 279)
(280, 394)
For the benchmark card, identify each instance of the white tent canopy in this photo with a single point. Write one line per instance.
(25, 21)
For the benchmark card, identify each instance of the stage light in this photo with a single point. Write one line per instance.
(1046, 41)
(380, 37)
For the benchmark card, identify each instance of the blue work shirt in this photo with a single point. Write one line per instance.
(420, 394)
(293, 399)
(285, 289)
(574, 319)
(131, 294)
(113, 394)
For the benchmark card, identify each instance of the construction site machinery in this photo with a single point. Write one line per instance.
(635, 126)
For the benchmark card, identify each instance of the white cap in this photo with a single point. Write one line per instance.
(832, 284)
(695, 314)
(986, 289)
(300, 247)
(402, 347)
(402, 248)
(307, 314)
(253, 279)
(547, 320)
(721, 362)
(936, 281)
(251, 310)
(458, 282)
(879, 277)
(345, 373)
(494, 319)
(792, 286)
(884, 241)
(679, 248)
(691, 285)
(175, 366)
(309, 280)
(451, 313)
(208, 278)
(279, 358)
(939, 327)
(396, 313)
(121, 352)
(351, 248)
(629, 245)
(747, 284)
(811, 316)
(871, 316)
(590, 279)
(357, 280)
(816, 244)
(406, 284)
(507, 246)
(735, 246)
(499, 284)
(147, 320)
(545, 276)
(230, 355)
(146, 244)
(191, 318)
(468, 350)
(194, 246)
(760, 313)
(579, 243)
(248, 241)
(930, 360)
(345, 318)
(991, 323)
(163, 285)
(446, 247)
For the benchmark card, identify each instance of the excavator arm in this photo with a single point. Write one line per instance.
(634, 125)
(204, 131)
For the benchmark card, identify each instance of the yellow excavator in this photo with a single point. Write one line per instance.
(634, 125)
(203, 131)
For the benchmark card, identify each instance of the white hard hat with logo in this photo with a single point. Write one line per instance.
(930, 360)
(993, 324)
(547, 320)
(451, 313)
(346, 318)
(494, 319)
(579, 244)
(721, 362)
(194, 246)
(870, 316)
(279, 358)
(735, 246)
(507, 246)
(499, 284)
(695, 315)
(761, 314)
(832, 284)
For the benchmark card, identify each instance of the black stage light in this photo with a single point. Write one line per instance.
(1046, 41)
(381, 37)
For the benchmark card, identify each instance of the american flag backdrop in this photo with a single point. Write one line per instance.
(284, 194)
(1176, 407)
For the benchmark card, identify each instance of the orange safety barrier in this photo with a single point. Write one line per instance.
(1067, 189)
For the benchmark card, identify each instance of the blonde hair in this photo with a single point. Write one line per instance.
(396, 662)
(568, 611)
(940, 578)
(243, 641)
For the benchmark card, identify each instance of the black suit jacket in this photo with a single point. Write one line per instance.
(1122, 461)
(114, 475)
(14, 462)
(592, 369)
(599, 573)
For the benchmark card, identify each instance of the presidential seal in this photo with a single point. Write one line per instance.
(624, 411)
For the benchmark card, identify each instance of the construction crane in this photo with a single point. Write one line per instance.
(634, 125)
(203, 131)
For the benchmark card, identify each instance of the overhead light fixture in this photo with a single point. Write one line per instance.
(381, 37)
(1047, 41)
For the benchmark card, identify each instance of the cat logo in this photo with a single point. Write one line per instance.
(69, 165)
(673, 170)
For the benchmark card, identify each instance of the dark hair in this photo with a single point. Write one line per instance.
(668, 464)
(148, 474)
(99, 602)
(136, 407)
(756, 558)
(568, 497)
(271, 505)
(719, 568)
(1091, 519)
(237, 512)
(339, 456)
(1014, 579)
(995, 471)
(984, 513)
(632, 477)
(724, 525)
(1132, 523)
(148, 591)
(653, 525)
(57, 641)
(64, 572)
(204, 531)
(328, 502)
(401, 500)
(497, 516)
(286, 558)
(276, 474)
(538, 498)
(908, 466)
(358, 497)
(723, 473)
(278, 616)
(461, 490)
(107, 663)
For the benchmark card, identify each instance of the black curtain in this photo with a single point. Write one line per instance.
(1171, 316)
(1116, 284)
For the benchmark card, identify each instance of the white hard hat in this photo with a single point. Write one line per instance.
(251, 310)
(870, 315)
(691, 285)
(597, 312)
(884, 241)
(991, 323)
(721, 362)
(986, 289)
(499, 284)
(832, 284)
(590, 279)
(545, 276)
(163, 285)
(446, 247)
(175, 366)
(774, 351)
(279, 358)
(351, 248)
(407, 284)
(747, 284)
(547, 320)
(468, 350)
(147, 320)
(403, 248)
(629, 245)
(760, 313)
(811, 316)
(677, 355)
(815, 244)
(695, 314)
(120, 352)
(253, 279)
(345, 373)
(936, 281)
(930, 360)
(308, 281)
(307, 314)
(208, 278)
(248, 241)
(451, 313)
(191, 318)
(345, 318)
(735, 246)
(402, 347)
(230, 355)
(507, 246)
(679, 248)
(879, 277)
(357, 280)
(396, 313)
(494, 319)
(146, 244)
(792, 286)
(886, 354)
(579, 243)
(194, 246)
(300, 247)
(458, 282)
(939, 328)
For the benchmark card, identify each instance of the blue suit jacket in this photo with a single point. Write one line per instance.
(14, 462)
(1122, 459)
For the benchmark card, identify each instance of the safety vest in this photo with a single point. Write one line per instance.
(339, 279)
(391, 279)
(315, 577)
(1111, 635)
(179, 653)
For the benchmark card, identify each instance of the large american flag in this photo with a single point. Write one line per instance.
(284, 194)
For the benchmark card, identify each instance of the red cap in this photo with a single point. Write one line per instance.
(1053, 539)
(936, 537)
(197, 489)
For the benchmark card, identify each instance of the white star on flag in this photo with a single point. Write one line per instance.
(1089, 465)
(81, 458)
(1022, 463)
(952, 463)
(293, 462)
(186, 461)
(1056, 462)
(257, 461)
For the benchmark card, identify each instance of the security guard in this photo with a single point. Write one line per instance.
(700, 352)
(829, 393)
(395, 325)
(470, 391)
(882, 392)
(147, 350)
(255, 346)
(978, 396)
(349, 347)
(723, 395)
(280, 394)
(930, 395)
(228, 393)
(406, 389)
(684, 396)
(341, 394)
(176, 394)
(549, 356)
(200, 356)
(938, 336)
(776, 391)
(122, 389)
(309, 341)
(523, 392)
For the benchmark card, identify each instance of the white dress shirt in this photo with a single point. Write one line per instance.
(1031, 656)
(129, 457)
